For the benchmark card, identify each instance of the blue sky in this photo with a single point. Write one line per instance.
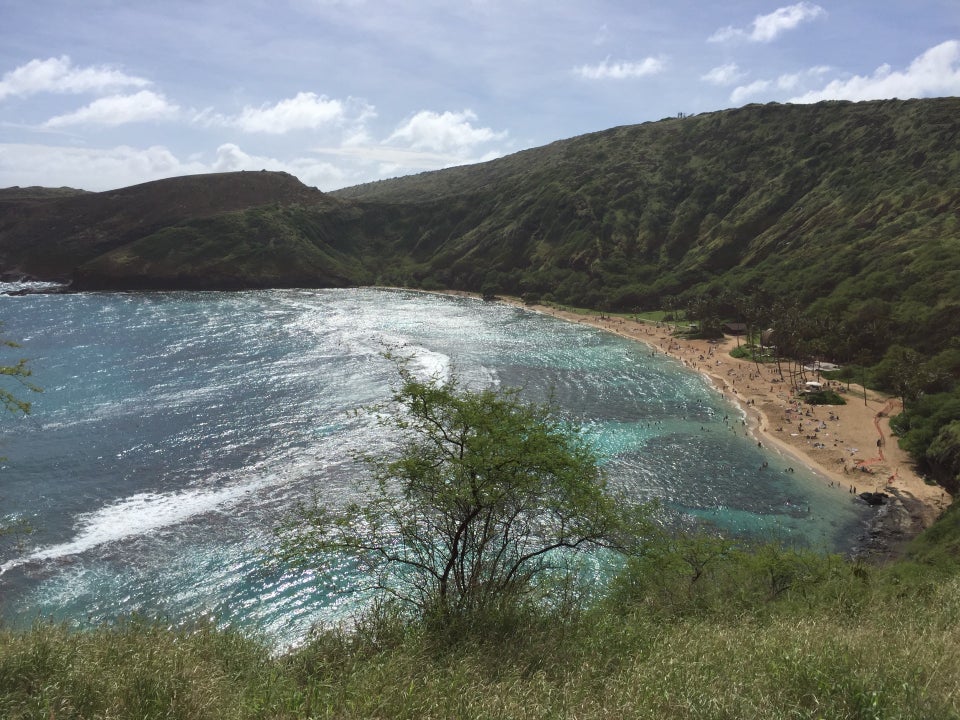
(102, 94)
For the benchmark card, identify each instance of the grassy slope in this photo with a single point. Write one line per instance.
(757, 634)
(857, 643)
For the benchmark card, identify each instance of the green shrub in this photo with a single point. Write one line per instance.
(823, 397)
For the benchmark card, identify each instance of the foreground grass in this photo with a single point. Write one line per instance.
(864, 644)
(775, 668)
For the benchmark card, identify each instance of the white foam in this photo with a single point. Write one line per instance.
(355, 330)
(136, 515)
(29, 285)
(425, 362)
(432, 364)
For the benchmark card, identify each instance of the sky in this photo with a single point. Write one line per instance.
(101, 94)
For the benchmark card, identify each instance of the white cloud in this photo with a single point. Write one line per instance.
(58, 75)
(306, 111)
(745, 91)
(621, 70)
(101, 169)
(724, 75)
(786, 82)
(726, 34)
(392, 161)
(934, 73)
(766, 28)
(399, 158)
(118, 110)
(427, 141)
(791, 81)
(447, 132)
(87, 168)
(231, 158)
(357, 136)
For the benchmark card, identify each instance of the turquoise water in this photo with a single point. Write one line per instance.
(176, 430)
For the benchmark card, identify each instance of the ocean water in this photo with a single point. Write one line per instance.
(177, 430)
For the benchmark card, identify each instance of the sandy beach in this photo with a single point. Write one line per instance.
(850, 446)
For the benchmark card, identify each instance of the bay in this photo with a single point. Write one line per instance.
(176, 430)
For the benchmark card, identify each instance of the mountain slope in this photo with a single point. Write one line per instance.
(828, 204)
(267, 246)
(623, 217)
(54, 237)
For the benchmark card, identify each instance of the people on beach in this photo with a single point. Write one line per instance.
(761, 391)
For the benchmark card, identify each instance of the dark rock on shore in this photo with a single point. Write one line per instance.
(892, 526)
(874, 498)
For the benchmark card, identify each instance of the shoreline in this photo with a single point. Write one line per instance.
(847, 446)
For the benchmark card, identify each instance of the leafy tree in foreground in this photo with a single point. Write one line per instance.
(484, 495)
(18, 372)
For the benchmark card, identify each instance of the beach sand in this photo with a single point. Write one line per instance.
(850, 446)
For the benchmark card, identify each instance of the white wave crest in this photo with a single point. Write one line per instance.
(425, 362)
(431, 364)
(137, 515)
(19, 286)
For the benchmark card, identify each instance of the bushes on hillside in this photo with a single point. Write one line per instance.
(930, 431)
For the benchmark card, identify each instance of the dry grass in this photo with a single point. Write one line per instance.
(893, 654)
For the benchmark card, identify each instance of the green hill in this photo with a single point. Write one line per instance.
(829, 204)
(196, 231)
(797, 200)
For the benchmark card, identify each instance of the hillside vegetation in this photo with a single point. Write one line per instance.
(53, 235)
(826, 204)
(837, 224)
(815, 202)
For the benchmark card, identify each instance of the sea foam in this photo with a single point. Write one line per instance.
(136, 515)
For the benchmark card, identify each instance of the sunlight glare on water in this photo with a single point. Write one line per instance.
(177, 430)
